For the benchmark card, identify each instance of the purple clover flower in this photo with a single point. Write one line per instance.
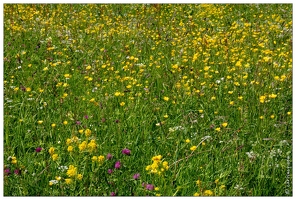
(110, 171)
(7, 171)
(109, 156)
(17, 171)
(112, 194)
(38, 149)
(117, 165)
(126, 152)
(86, 116)
(149, 187)
(136, 176)
(78, 122)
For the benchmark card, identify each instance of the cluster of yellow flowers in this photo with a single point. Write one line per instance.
(52, 153)
(158, 166)
(100, 159)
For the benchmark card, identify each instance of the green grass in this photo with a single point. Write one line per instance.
(206, 86)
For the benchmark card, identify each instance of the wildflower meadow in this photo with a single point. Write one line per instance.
(147, 100)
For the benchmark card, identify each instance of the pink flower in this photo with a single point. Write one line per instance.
(109, 156)
(149, 187)
(117, 165)
(110, 171)
(126, 152)
(38, 149)
(7, 171)
(136, 176)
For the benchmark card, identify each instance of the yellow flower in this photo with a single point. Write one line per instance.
(217, 181)
(218, 129)
(67, 75)
(198, 182)
(68, 181)
(72, 171)
(272, 116)
(13, 160)
(165, 165)
(94, 158)
(58, 178)
(68, 141)
(261, 117)
(70, 148)
(51, 150)
(222, 187)
(28, 89)
(74, 139)
(196, 194)
(200, 111)
(262, 99)
(87, 132)
(231, 102)
(224, 124)
(272, 96)
(193, 148)
(81, 131)
(54, 157)
(40, 122)
(187, 141)
(101, 159)
(79, 176)
(88, 67)
(92, 100)
(166, 98)
(148, 167)
(53, 125)
(157, 158)
(208, 193)
(156, 188)
(117, 94)
(82, 146)
(122, 104)
(92, 145)
(65, 122)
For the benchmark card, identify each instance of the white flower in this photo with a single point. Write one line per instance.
(238, 187)
(63, 168)
(54, 181)
(94, 89)
(176, 128)
(252, 156)
(206, 137)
